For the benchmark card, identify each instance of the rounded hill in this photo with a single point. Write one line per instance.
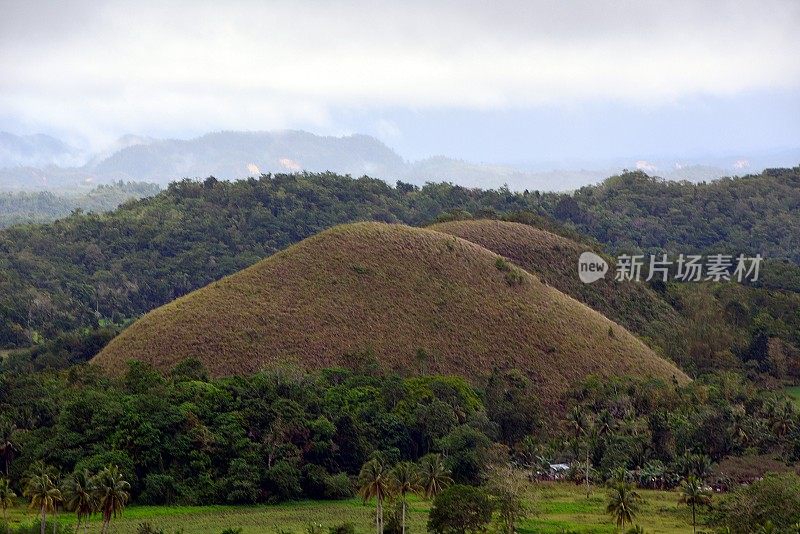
(554, 259)
(416, 299)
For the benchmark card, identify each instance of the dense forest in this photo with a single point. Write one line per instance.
(44, 206)
(752, 214)
(67, 287)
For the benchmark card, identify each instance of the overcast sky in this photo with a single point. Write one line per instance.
(491, 81)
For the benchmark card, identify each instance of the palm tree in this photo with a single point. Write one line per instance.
(404, 480)
(694, 494)
(79, 492)
(605, 423)
(41, 489)
(623, 504)
(373, 481)
(433, 475)
(112, 494)
(582, 426)
(7, 446)
(6, 497)
(738, 428)
(782, 420)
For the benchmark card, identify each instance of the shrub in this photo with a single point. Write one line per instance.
(775, 498)
(502, 265)
(460, 509)
(338, 486)
(158, 489)
(344, 528)
(514, 277)
(242, 482)
(147, 528)
(284, 481)
(315, 479)
(393, 519)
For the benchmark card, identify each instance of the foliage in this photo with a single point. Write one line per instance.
(775, 498)
(623, 503)
(44, 206)
(148, 252)
(694, 494)
(460, 509)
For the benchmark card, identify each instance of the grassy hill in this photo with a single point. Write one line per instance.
(555, 260)
(418, 300)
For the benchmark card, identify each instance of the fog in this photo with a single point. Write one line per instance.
(528, 79)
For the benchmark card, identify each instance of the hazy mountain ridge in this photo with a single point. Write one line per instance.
(36, 162)
(38, 150)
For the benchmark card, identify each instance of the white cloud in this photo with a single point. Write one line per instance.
(387, 130)
(137, 66)
(646, 166)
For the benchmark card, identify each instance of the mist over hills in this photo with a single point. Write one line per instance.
(41, 162)
(37, 150)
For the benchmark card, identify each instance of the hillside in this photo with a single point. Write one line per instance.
(230, 155)
(68, 274)
(44, 206)
(35, 150)
(399, 293)
(555, 259)
(634, 211)
(86, 270)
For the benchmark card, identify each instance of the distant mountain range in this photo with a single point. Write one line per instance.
(41, 162)
(36, 151)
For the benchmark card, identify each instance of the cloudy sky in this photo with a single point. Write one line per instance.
(526, 81)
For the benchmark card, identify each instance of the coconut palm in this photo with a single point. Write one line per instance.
(7, 446)
(738, 427)
(605, 423)
(373, 482)
(41, 489)
(112, 493)
(433, 475)
(584, 427)
(404, 480)
(782, 419)
(6, 497)
(623, 504)
(79, 492)
(694, 494)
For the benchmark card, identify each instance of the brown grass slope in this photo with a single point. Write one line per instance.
(390, 289)
(555, 260)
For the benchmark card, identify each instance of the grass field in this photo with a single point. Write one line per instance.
(558, 507)
(794, 392)
(331, 295)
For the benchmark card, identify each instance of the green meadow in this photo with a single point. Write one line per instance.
(794, 393)
(555, 507)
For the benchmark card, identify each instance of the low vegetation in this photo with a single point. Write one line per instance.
(554, 259)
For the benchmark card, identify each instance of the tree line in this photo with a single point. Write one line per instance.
(283, 434)
(90, 269)
(45, 206)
